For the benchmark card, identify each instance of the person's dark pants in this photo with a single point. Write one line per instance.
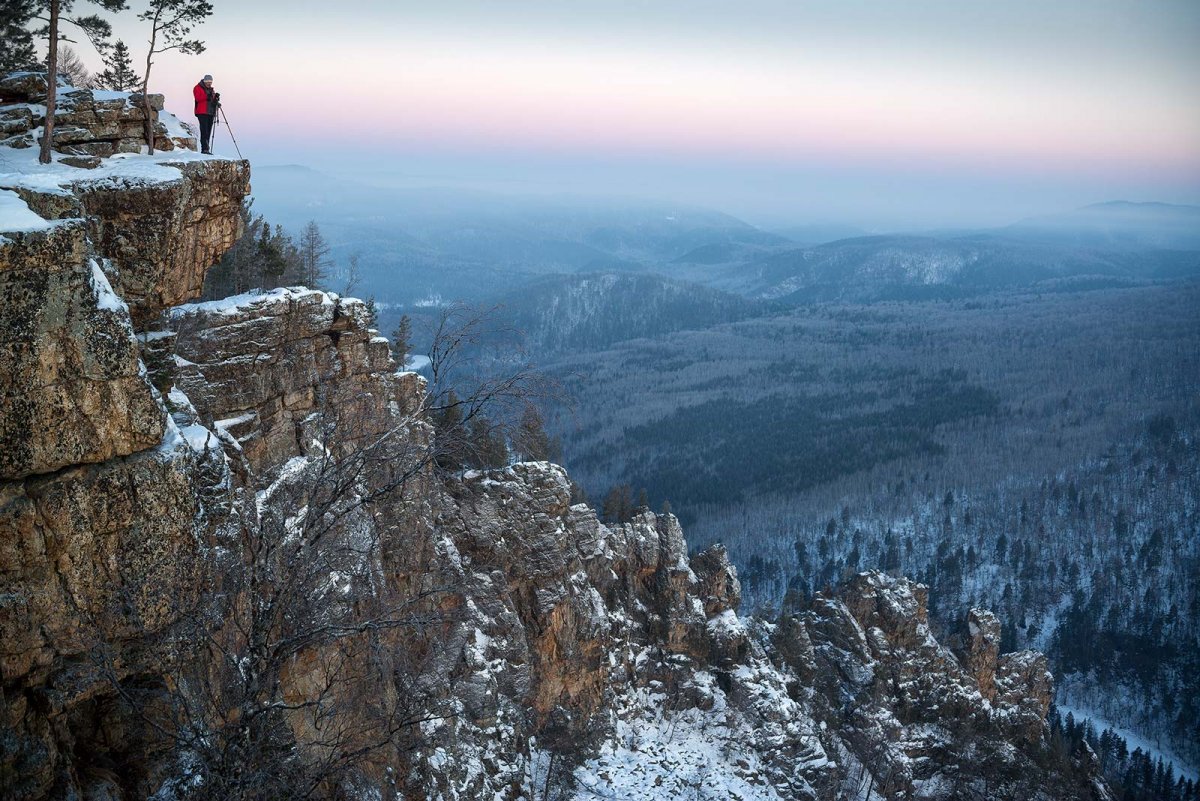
(206, 125)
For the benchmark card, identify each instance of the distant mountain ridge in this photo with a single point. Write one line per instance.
(1117, 224)
(423, 241)
(478, 246)
(594, 310)
(874, 268)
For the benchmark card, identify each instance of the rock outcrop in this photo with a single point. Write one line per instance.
(164, 223)
(124, 241)
(228, 568)
(88, 123)
(278, 369)
(113, 519)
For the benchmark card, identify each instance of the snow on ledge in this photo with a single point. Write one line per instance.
(17, 217)
(248, 301)
(21, 168)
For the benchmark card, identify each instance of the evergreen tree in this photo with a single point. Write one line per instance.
(170, 23)
(487, 448)
(17, 52)
(118, 74)
(272, 253)
(372, 313)
(401, 340)
(448, 433)
(531, 439)
(618, 504)
(54, 13)
(261, 259)
(293, 273)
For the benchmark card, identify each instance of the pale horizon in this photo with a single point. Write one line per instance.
(930, 114)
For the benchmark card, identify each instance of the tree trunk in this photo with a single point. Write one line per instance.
(147, 125)
(51, 84)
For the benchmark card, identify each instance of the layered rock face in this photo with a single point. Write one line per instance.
(164, 224)
(227, 562)
(123, 241)
(111, 519)
(88, 124)
(277, 370)
(74, 392)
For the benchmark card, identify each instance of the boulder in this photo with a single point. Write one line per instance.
(82, 162)
(15, 120)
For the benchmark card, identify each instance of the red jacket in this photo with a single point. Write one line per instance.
(204, 100)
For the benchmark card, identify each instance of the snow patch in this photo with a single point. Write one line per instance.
(106, 298)
(17, 217)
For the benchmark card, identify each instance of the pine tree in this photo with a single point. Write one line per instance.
(448, 433)
(96, 29)
(618, 504)
(272, 250)
(487, 448)
(531, 439)
(18, 52)
(293, 273)
(118, 74)
(372, 313)
(170, 23)
(401, 340)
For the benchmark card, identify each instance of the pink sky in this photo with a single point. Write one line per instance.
(1088, 91)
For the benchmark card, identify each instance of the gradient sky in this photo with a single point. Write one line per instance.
(884, 114)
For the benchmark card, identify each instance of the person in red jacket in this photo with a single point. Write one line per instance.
(207, 103)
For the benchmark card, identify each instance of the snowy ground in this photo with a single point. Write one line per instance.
(19, 167)
(690, 754)
(416, 363)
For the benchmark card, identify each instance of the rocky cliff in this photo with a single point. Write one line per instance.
(229, 568)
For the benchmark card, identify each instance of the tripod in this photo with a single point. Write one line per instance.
(216, 122)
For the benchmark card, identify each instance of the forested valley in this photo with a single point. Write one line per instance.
(1031, 453)
(1010, 417)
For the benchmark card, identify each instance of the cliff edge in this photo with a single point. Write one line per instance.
(230, 567)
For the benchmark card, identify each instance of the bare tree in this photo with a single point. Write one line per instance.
(170, 23)
(314, 255)
(353, 274)
(472, 349)
(71, 67)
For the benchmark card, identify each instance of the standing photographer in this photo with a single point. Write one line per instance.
(207, 103)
